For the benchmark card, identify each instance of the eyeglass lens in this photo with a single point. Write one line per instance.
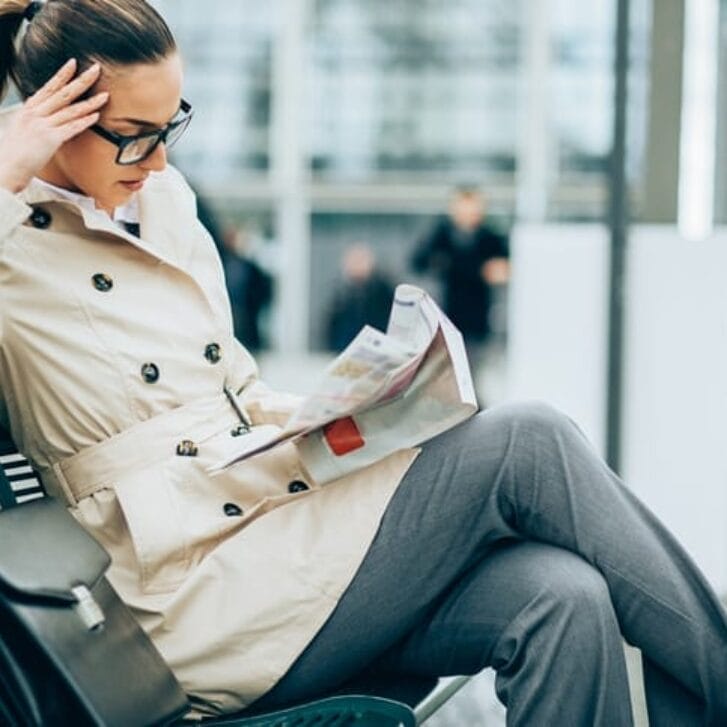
(137, 149)
(140, 148)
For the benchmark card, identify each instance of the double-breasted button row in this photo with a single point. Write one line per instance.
(150, 374)
(150, 371)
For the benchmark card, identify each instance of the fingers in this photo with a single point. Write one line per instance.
(76, 110)
(47, 120)
(68, 92)
(60, 79)
(74, 128)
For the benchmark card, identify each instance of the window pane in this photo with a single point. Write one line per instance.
(582, 108)
(581, 102)
(227, 49)
(413, 88)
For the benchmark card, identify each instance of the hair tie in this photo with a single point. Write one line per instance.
(32, 10)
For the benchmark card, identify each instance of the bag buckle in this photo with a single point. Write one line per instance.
(87, 608)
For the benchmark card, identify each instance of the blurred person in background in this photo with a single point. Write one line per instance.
(210, 221)
(468, 256)
(505, 541)
(363, 297)
(249, 286)
(251, 289)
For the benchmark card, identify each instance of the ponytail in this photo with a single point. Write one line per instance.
(11, 18)
(113, 32)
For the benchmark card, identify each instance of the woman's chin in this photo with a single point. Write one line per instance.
(109, 202)
(120, 196)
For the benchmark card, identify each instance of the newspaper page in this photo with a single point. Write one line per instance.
(384, 392)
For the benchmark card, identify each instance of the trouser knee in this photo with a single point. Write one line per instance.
(572, 617)
(534, 418)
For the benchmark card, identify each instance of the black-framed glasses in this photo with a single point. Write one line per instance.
(134, 149)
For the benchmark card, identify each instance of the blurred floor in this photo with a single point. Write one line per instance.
(296, 373)
(475, 705)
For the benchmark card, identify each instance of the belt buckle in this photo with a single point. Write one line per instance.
(245, 423)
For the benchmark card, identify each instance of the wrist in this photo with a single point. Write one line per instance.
(12, 182)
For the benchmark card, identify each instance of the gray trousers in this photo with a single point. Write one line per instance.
(511, 544)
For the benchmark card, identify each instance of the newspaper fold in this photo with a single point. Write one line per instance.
(384, 392)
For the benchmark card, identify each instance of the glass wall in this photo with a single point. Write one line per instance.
(422, 90)
(227, 48)
(399, 101)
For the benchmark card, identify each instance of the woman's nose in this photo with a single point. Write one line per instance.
(157, 160)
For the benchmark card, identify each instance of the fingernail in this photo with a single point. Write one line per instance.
(69, 62)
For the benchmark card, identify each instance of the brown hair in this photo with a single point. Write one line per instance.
(115, 32)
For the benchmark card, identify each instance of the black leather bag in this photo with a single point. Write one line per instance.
(70, 651)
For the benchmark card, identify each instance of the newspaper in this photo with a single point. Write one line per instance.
(384, 392)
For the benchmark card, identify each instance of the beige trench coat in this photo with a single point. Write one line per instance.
(114, 352)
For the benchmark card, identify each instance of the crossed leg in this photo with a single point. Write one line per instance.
(594, 557)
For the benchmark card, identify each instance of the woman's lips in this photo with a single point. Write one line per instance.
(134, 186)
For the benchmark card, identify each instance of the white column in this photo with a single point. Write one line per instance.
(289, 175)
(533, 155)
(699, 109)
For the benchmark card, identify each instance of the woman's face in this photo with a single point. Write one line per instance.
(143, 97)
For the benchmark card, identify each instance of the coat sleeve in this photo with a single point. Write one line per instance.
(493, 244)
(430, 254)
(502, 245)
(263, 404)
(268, 406)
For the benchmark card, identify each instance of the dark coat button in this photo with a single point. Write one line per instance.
(232, 510)
(102, 282)
(187, 448)
(150, 373)
(213, 353)
(297, 486)
(41, 218)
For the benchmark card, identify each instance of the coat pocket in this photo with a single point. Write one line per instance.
(150, 503)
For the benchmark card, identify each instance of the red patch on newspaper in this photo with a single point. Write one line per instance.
(343, 436)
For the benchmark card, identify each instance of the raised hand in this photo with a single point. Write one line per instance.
(48, 119)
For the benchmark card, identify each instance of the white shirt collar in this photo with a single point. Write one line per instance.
(128, 213)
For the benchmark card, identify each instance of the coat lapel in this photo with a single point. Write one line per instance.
(156, 239)
(166, 222)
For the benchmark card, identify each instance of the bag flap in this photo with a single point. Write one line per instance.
(44, 552)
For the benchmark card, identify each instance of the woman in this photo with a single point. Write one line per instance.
(505, 542)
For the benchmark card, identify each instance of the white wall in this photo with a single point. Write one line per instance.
(675, 448)
(675, 435)
(557, 320)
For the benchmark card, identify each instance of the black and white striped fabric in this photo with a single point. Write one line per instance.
(19, 482)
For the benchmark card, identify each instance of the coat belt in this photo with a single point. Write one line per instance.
(101, 465)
